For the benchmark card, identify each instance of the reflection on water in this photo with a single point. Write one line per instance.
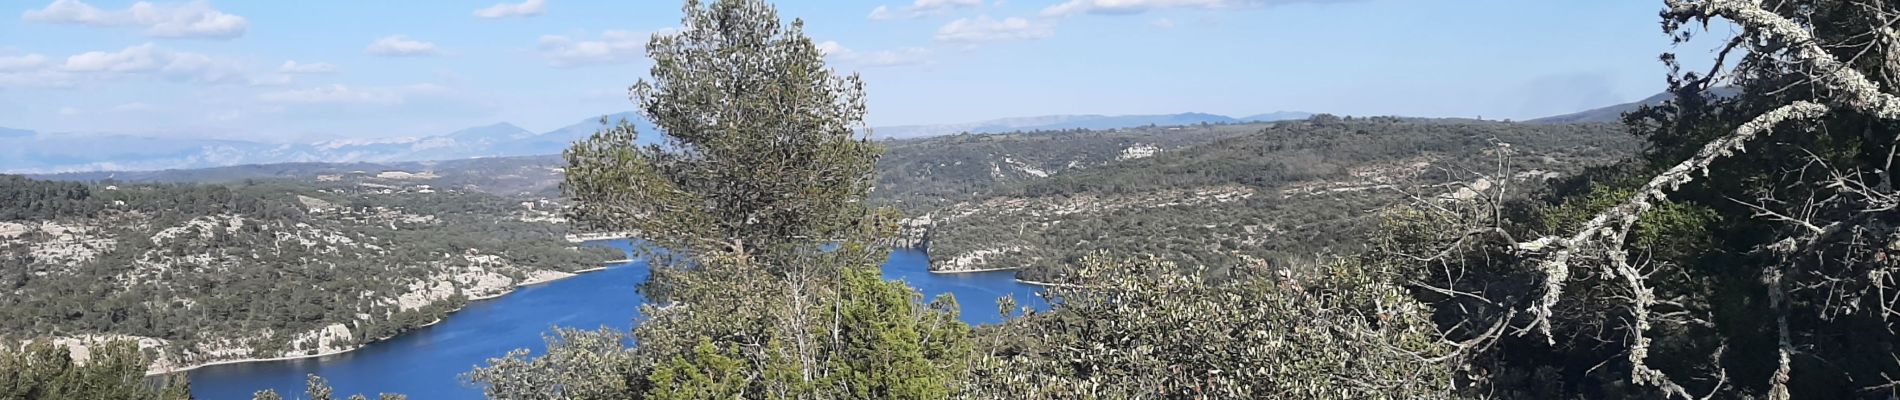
(425, 363)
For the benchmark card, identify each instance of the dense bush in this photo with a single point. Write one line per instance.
(1126, 332)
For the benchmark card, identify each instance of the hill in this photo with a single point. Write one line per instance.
(57, 153)
(921, 174)
(1070, 122)
(1614, 113)
(204, 273)
(23, 151)
(516, 177)
(1277, 193)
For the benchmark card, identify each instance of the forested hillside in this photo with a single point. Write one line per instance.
(527, 177)
(204, 272)
(1287, 191)
(1709, 246)
(918, 175)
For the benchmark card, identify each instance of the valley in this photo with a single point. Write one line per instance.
(209, 249)
(949, 199)
(201, 274)
(1284, 194)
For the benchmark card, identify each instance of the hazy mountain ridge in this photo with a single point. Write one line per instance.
(1614, 113)
(23, 151)
(1083, 121)
(26, 151)
(526, 177)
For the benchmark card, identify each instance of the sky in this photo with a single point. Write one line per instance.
(277, 71)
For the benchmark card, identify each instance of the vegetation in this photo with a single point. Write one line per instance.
(768, 286)
(1283, 193)
(522, 177)
(919, 175)
(42, 370)
(1745, 252)
(315, 388)
(250, 269)
(1130, 333)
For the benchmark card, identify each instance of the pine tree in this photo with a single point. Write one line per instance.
(770, 253)
(177, 387)
(317, 388)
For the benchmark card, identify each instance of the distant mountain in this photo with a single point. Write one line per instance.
(53, 152)
(23, 151)
(1062, 122)
(529, 176)
(1615, 113)
(556, 141)
(1276, 116)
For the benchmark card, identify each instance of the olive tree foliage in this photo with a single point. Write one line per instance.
(761, 162)
(111, 370)
(1748, 253)
(317, 388)
(763, 251)
(579, 364)
(1130, 329)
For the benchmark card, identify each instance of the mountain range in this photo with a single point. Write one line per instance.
(1066, 122)
(1614, 113)
(24, 151)
(30, 152)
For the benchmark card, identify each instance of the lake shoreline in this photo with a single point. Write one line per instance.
(1042, 284)
(525, 283)
(431, 361)
(971, 271)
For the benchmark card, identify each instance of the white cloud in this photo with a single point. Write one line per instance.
(175, 20)
(920, 8)
(41, 78)
(31, 70)
(1072, 7)
(294, 67)
(943, 4)
(27, 62)
(1162, 23)
(141, 58)
(68, 111)
(145, 60)
(402, 46)
(526, 8)
(882, 58)
(613, 47)
(985, 29)
(151, 59)
(882, 13)
(344, 94)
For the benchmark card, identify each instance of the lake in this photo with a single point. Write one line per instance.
(424, 363)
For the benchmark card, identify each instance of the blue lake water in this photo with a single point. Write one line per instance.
(425, 363)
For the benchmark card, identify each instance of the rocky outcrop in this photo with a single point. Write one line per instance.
(979, 260)
(331, 339)
(914, 232)
(1138, 151)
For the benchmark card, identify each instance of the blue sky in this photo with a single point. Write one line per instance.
(284, 71)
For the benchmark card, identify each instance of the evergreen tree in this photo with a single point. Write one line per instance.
(177, 387)
(317, 388)
(112, 370)
(764, 252)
